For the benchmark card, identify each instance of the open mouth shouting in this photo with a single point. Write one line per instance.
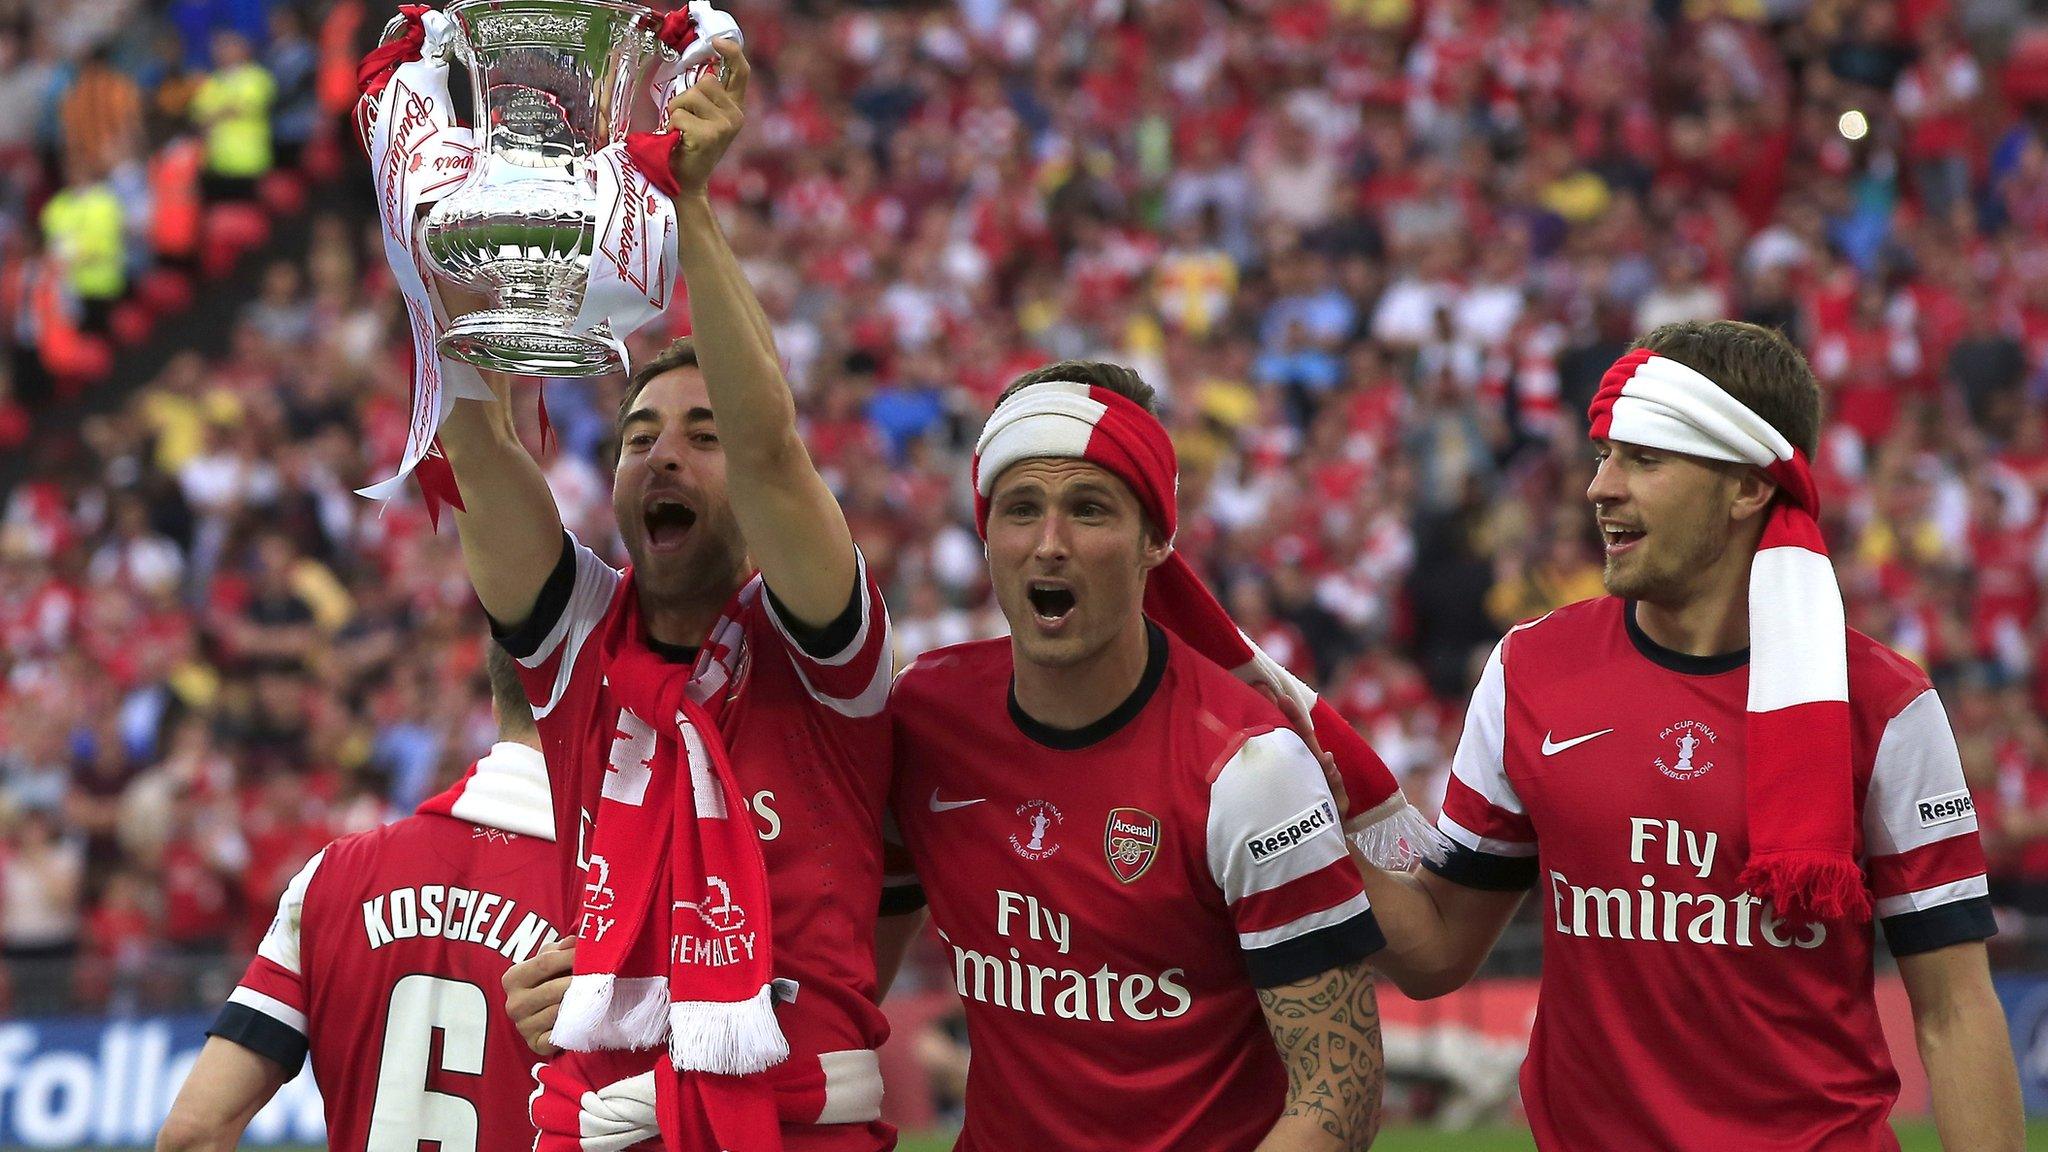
(668, 521)
(1619, 538)
(1052, 602)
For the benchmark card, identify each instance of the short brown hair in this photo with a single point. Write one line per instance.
(508, 697)
(681, 353)
(1754, 364)
(1123, 381)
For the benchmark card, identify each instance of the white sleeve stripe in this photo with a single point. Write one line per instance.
(1315, 854)
(583, 563)
(269, 1006)
(1271, 819)
(1478, 843)
(1933, 897)
(871, 700)
(280, 943)
(1916, 761)
(596, 582)
(860, 637)
(1480, 761)
(553, 639)
(1335, 914)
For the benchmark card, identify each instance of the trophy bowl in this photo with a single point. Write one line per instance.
(552, 82)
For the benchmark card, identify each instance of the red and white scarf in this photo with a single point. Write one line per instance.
(1065, 420)
(674, 944)
(1799, 796)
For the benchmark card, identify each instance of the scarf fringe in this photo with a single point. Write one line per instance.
(602, 1011)
(1394, 834)
(728, 1039)
(1809, 884)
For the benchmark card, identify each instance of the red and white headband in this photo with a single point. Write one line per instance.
(1657, 402)
(1061, 419)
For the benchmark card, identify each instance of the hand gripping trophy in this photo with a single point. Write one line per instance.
(548, 203)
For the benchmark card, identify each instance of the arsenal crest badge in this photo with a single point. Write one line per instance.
(1130, 840)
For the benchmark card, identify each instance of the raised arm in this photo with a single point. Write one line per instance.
(792, 524)
(511, 533)
(1327, 1027)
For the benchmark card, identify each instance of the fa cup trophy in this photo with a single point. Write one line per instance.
(549, 203)
(552, 83)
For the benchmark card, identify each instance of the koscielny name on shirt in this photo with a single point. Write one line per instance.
(1669, 915)
(1015, 983)
(455, 913)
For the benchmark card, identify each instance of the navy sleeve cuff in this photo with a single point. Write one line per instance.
(1316, 952)
(831, 640)
(1484, 870)
(269, 1038)
(1911, 933)
(525, 640)
(901, 899)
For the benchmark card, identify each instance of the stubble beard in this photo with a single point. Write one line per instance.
(698, 579)
(1669, 582)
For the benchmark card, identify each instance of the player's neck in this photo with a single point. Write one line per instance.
(1713, 621)
(1077, 695)
(679, 624)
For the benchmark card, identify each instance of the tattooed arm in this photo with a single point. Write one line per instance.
(1328, 1030)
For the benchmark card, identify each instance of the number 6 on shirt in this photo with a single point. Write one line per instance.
(406, 1112)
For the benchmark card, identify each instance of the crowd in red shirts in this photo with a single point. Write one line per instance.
(1375, 255)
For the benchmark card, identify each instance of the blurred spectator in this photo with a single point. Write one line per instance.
(85, 230)
(1679, 293)
(42, 890)
(1526, 587)
(292, 61)
(1934, 96)
(102, 115)
(232, 107)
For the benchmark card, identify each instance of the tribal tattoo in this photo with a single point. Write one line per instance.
(1328, 1030)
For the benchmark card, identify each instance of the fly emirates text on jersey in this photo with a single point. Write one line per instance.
(1662, 914)
(1069, 993)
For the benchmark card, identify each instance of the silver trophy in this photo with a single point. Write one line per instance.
(552, 83)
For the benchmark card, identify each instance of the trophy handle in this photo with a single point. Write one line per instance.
(392, 28)
(691, 62)
(452, 45)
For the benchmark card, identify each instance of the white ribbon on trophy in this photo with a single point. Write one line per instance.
(633, 269)
(418, 154)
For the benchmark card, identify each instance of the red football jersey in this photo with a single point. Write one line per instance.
(1677, 1011)
(386, 959)
(1113, 897)
(809, 746)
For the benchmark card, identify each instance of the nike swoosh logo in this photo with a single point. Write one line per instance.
(1552, 748)
(939, 805)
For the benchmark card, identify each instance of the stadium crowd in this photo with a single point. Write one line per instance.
(1375, 254)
